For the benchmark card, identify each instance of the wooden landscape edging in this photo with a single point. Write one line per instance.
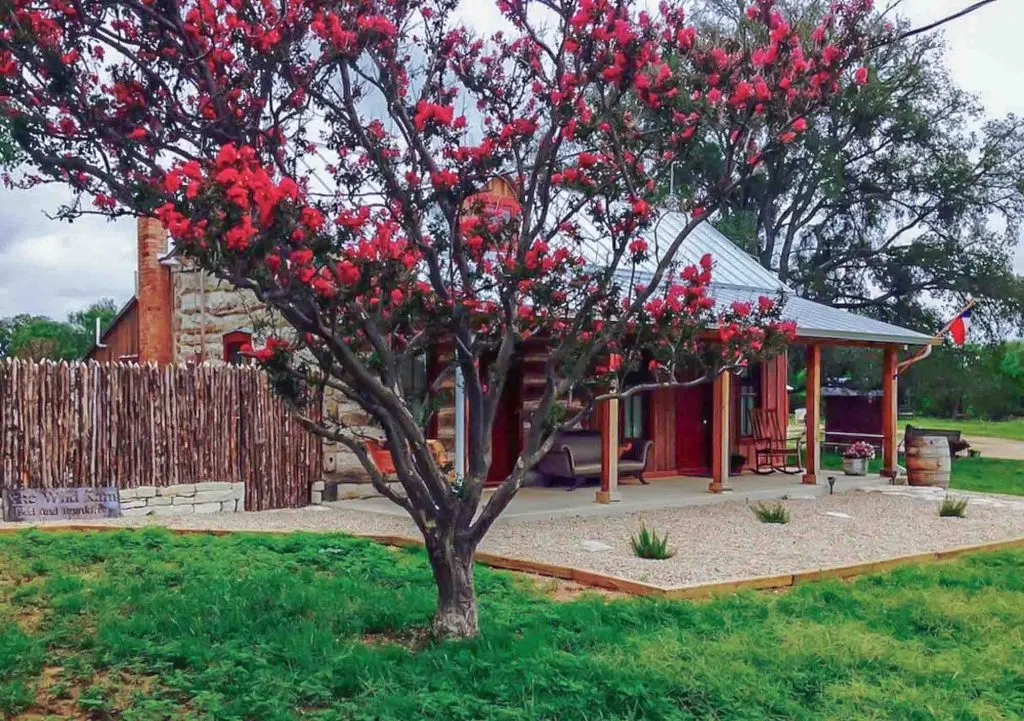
(595, 578)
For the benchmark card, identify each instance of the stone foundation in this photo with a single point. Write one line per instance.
(185, 498)
(348, 491)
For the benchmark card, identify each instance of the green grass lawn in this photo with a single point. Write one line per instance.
(987, 475)
(146, 625)
(1012, 429)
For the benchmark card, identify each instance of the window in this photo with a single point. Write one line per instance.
(415, 385)
(750, 397)
(634, 409)
(233, 344)
(634, 413)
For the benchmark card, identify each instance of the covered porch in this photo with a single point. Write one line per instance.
(705, 438)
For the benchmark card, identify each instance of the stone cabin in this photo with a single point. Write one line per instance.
(181, 314)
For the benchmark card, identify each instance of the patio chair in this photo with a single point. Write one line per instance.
(772, 443)
(381, 456)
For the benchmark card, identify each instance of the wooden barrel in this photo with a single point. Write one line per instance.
(928, 462)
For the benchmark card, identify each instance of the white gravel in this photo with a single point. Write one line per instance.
(718, 542)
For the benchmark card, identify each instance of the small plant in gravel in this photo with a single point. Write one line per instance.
(953, 507)
(647, 543)
(771, 512)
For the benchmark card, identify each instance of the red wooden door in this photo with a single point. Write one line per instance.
(506, 435)
(693, 429)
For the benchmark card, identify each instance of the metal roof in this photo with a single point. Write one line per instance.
(733, 267)
(739, 276)
(820, 321)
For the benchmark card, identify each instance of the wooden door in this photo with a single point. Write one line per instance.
(506, 435)
(693, 429)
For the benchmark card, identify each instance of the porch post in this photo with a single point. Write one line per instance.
(460, 425)
(813, 414)
(609, 492)
(720, 432)
(890, 463)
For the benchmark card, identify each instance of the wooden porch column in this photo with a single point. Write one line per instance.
(890, 463)
(720, 432)
(813, 468)
(609, 492)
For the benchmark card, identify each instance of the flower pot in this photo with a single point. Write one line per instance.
(855, 466)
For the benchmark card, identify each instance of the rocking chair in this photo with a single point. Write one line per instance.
(772, 443)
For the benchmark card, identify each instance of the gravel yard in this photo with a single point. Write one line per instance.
(716, 542)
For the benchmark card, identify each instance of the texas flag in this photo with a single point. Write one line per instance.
(959, 327)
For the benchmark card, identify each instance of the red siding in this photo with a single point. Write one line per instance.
(663, 429)
(121, 339)
(853, 418)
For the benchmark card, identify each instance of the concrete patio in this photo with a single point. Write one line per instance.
(537, 503)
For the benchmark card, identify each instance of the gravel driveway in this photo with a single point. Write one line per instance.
(716, 542)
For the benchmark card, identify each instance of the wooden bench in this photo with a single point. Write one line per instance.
(576, 456)
(955, 438)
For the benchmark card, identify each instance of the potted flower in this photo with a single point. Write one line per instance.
(856, 457)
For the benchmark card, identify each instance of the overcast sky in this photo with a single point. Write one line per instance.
(53, 268)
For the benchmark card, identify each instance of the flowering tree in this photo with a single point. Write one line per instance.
(328, 155)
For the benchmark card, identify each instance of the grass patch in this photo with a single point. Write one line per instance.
(986, 475)
(1012, 429)
(953, 507)
(148, 626)
(646, 543)
(773, 512)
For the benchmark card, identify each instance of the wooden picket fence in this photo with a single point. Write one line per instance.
(127, 425)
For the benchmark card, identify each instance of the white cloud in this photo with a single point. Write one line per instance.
(983, 48)
(51, 268)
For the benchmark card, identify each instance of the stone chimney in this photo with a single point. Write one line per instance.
(154, 294)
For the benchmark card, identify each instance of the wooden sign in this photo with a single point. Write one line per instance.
(60, 504)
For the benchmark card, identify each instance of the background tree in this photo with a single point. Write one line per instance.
(327, 155)
(38, 337)
(904, 199)
(977, 381)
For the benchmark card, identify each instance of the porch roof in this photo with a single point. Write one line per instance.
(818, 321)
(738, 276)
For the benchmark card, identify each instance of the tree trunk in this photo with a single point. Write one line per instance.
(456, 615)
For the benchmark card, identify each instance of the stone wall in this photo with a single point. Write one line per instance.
(340, 464)
(206, 309)
(185, 498)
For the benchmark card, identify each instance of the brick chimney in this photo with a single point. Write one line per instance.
(154, 294)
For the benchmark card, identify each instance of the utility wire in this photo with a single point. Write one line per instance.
(938, 23)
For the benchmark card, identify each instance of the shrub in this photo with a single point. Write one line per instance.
(953, 507)
(647, 544)
(771, 512)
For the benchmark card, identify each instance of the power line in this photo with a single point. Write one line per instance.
(938, 23)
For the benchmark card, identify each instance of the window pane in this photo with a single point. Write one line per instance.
(633, 417)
